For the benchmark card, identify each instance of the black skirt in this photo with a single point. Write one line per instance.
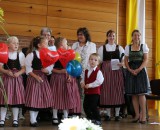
(136, 84)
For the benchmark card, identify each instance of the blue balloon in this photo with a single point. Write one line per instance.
(74, 68)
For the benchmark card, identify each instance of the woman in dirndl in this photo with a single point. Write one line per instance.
(38, 91)
(136, 84)
(112, 91)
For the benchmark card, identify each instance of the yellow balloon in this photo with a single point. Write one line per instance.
(77, 57)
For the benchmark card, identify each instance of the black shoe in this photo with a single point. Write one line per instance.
(117, 118)
(124, 115)
(55, 121)
(143, 122)
(2, 125)
(98, 123)
(135, 121)
(107, 118)
(15, 123)
(35, 124)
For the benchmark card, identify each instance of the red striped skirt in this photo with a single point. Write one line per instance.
(65, 94)
(38, 95)
(14, 89)
(112, 90)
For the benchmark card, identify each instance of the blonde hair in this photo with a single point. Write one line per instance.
(58, 42)
(96, 55)
(12, 39)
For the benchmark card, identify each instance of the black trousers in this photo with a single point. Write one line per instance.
(90, 106)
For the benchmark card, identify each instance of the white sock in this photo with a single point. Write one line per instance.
(3, 113)
(20, 111)
(55, 113)
(108, 112)
(65, 113)
(32, 116)
(117, 111)
(15, 111)
(36, 114)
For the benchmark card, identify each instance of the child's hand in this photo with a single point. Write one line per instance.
(86, 86)
(39, 79)
(68, 77)
(120, 64)
(82, 85)
(44, 71)
(16, 74)
(8, 72)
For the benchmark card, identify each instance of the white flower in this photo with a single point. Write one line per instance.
(77, 123)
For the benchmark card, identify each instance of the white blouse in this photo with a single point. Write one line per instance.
(13, 56)
(28, 63)
(109, 47)
(99, 79)
(85, 51)
(145, 49)
(52, 48)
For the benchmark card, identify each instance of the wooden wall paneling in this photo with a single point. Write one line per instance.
(108, 1)
(149, 42)
(23, 8)
(122, 10)
(121, 41)
(72, 34)
(84, 4)
(122, 21)
(149, 15)
(26, 19)
(75, 24)
(149, 5)
(122, 2)
(41, 2)
(150, 33)
(151, 53)
(149, 24)
(81, 14)
(24, 30)
(150, 72)
(122, 30)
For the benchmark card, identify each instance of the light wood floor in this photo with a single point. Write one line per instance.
(124, 124)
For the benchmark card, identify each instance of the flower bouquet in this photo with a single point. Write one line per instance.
(77, 123)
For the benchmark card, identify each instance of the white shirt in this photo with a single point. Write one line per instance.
(13, 56)
(109, 47)
(85, 51)
(145, 49)
(28, 63)
(99, 79)
(52, 48)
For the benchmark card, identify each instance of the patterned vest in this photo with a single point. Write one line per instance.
(136, 55)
